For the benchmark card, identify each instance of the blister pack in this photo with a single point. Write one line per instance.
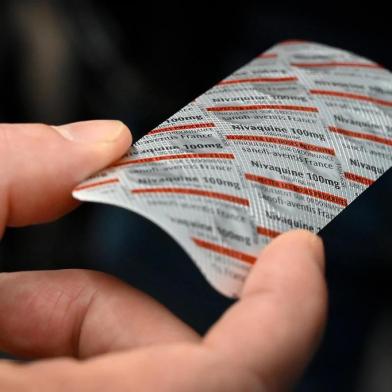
(287, 141)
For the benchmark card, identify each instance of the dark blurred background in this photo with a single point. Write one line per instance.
(63, 61)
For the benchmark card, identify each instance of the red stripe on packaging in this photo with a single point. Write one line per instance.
(223, 250)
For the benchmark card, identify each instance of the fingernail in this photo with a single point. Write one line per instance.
(96, 131)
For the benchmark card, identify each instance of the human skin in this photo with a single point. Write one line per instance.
(91, 332)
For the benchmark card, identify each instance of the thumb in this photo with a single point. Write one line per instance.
(41, 164)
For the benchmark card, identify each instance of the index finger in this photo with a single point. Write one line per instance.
(275, 327)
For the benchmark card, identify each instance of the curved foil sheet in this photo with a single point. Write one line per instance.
(287, 141)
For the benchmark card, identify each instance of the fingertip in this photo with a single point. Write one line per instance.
(103, 140)
(303, 242)
(297, 253)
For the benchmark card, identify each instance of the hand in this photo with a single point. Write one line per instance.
(92, 332)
